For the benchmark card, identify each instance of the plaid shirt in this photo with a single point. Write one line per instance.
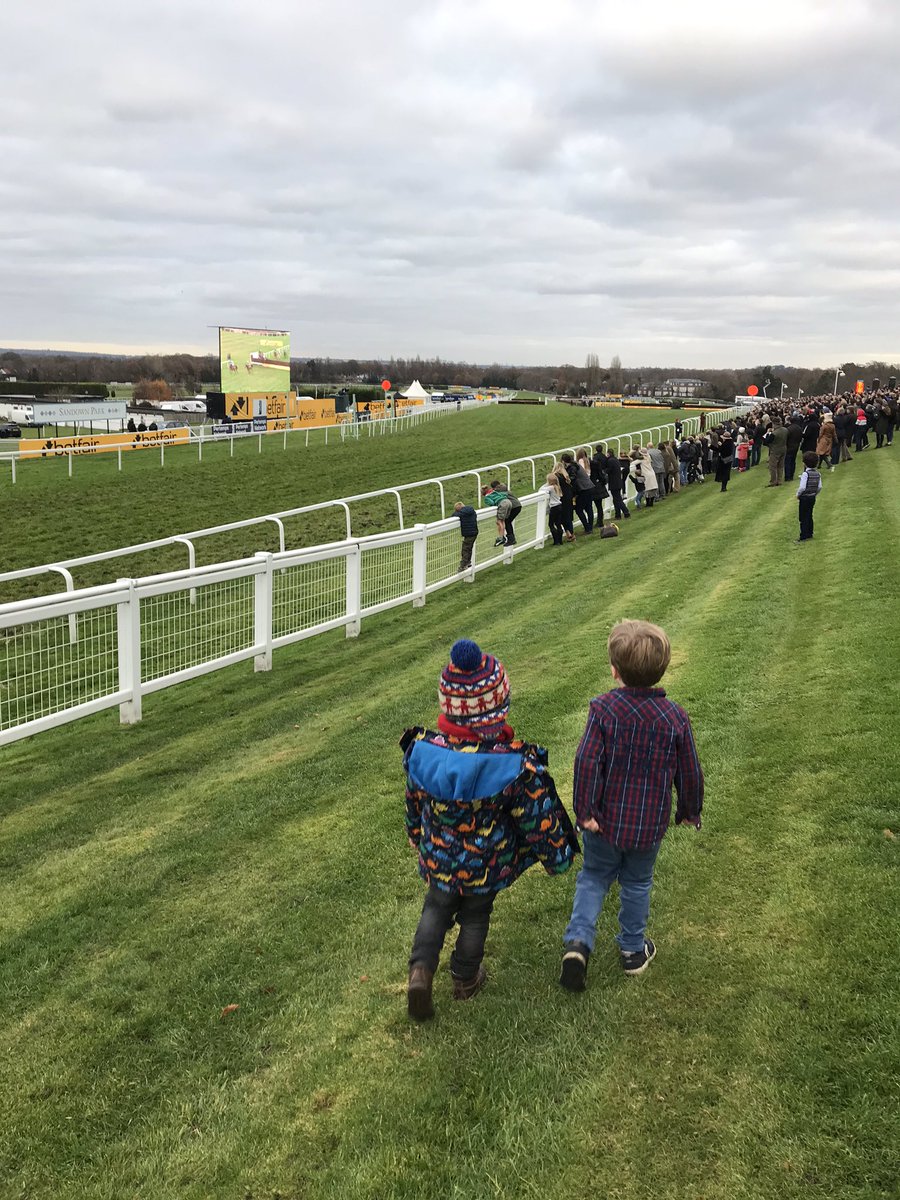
(636, 744)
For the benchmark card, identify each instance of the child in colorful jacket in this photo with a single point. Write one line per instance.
(481, 808)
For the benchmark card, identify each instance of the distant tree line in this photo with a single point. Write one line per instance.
(184, 374)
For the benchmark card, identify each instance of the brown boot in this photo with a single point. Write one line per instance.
(465, 989)
(418, 992)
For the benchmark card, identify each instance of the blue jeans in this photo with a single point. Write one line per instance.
(603, 864)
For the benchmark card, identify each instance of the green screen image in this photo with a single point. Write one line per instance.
(255, 360)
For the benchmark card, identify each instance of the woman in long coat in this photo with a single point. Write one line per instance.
(724, 460)
(825, 441)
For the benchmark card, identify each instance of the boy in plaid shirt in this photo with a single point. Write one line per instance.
(635, 746)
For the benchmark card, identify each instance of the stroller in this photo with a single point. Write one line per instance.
(695, 471)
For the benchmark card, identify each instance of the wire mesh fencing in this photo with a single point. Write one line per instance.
(65, 656)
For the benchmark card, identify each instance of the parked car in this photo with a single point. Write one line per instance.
(8, 430)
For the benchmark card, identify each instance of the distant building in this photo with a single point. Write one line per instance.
(7, 376)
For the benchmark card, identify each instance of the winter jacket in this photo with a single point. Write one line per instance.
(613, 472)
(481, 813)
(794, 437)
(827, 435)
(468, 521)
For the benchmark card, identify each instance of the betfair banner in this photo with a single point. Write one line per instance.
(102, 443)
(255, 360)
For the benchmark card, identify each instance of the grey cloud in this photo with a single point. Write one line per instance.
(490, 180)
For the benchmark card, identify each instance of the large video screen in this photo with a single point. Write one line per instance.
(255, 360)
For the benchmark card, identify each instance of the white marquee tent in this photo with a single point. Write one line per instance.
(415, 391)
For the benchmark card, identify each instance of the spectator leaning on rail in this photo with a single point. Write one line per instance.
(508, 508)
(481, 808)
(468, 528)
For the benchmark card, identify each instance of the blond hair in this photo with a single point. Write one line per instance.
(639, 651)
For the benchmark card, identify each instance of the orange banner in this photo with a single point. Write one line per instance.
(102, 443)
(860, 386)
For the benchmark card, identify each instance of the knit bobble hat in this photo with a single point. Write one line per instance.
(474, 691)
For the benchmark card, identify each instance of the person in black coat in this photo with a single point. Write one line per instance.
(810, 434)
(615, 483)
(794, 438)
(598, 479)
(725, 460)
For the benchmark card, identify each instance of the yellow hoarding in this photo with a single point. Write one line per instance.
(255, 360)
(102, 443)
(308, 411)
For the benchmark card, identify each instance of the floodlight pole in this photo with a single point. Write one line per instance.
(837, 372)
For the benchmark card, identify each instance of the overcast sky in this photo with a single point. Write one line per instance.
(695, 183)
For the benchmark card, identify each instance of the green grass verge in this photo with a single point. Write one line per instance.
(244, 845)
(48, 516)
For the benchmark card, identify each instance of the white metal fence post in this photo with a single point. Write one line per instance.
(419, 566)
(540, 532)
(128, 624)
(354, 589)
(262, 613)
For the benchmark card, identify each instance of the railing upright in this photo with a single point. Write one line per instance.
(353, 589)
(262, 613)
(128, 626)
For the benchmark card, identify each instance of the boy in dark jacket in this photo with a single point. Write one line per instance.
(468, 528)
(635, 746)
(481, 808)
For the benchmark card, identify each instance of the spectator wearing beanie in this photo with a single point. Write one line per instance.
(481, 808)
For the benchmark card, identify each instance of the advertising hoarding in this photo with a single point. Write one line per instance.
(102, 443)
(68, 412)
(255, 360)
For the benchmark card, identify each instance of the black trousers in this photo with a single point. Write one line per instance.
(790, 465)
(618, 503)
(508, 522)
(472, 914)
(584, 506)
(597, 500)
(555, 521)
(566, 517)
(465, 556)
(807, 503)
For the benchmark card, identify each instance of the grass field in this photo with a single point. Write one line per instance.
(244, 845)
(48, 516)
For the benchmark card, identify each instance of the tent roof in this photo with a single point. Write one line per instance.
(415, 391)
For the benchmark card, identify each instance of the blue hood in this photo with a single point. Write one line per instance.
(449, 774)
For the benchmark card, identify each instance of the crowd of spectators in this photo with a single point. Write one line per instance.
(827, 426)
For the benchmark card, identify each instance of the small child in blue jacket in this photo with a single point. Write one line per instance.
(481, 808)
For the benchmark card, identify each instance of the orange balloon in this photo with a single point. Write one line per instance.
(752, 390)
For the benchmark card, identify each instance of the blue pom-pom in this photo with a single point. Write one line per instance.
(466, 655)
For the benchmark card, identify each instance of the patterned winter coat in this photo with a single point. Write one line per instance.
(481, 813)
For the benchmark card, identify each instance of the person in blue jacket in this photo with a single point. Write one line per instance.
(481, 808)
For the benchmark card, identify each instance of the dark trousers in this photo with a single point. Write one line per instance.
(619, 505)
(597, 501)
(790, 465)
(555, 521)
(465, 557)
(859, 437)
(566, 517)
(440, 910)
(755, 453)
(508, 523)
(584, 506)
(807, 503)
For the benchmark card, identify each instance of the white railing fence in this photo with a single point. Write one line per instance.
(520, 474)
(203, 436)
(66, 656)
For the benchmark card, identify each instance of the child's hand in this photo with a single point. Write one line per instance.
(590, 825)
